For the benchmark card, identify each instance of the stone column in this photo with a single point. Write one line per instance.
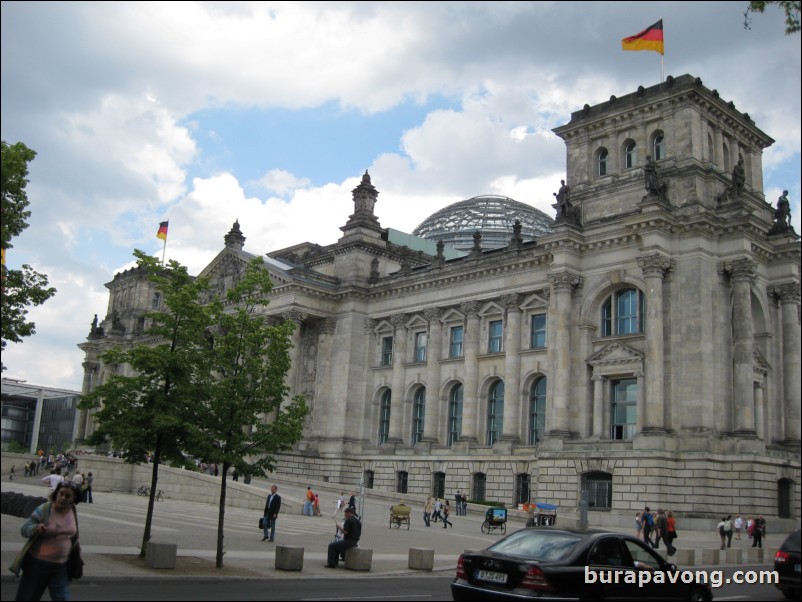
(511, 429)
(760, 424)
(431, 424)
(598, 407)
(789, 296)
(654, 268)
(470, 401)
(83, 425)
(295, 353)
(743, 273)
(639, 403)
(324, 406)
(557, 419)
(397, 399)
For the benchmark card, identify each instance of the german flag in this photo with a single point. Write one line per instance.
(650, 38)
(162, 233)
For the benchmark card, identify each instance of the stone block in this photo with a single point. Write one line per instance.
(358, 559)
(160, 555)
(733, 556)
(756, 555)
(685, 558)
(421, 559)
(289, 558)
(710, 556)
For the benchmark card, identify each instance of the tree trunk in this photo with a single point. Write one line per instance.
(221, 515)
(154, 481)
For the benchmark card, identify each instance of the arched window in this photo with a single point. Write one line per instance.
(478, 486)
(156, 301)
(454, 415)
(495, 412)
(598, 486)
(401, 481)
(418, 412)
(537, 411)
(726, 150)
(439, 485)
(659, 146)
(630, 154)
(601, 162)
(384, 416)
(623, 313)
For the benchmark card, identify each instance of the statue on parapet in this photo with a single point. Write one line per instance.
(782, 215)
(565, 209)
(653, 184)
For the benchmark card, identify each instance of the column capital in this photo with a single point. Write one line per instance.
(469, 308)
(654, 265)
(786, 293)
(432, 314)
(597, 377)
(295, 315)
(511, 302)
(398, 320)
(327, 326)
(565, 281)
(739, 270)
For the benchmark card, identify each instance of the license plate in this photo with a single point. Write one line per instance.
(492, 576)
(797, 568)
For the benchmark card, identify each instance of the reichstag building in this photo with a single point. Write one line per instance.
(641, 346)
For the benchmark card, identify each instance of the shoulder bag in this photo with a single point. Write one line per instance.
(75, 564)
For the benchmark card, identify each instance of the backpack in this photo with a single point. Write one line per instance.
(649, 519)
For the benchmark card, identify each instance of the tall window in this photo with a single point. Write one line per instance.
(455, 348)
(495, 332)
(418, 412)
(401, 481)
(495, 412)
(454, 415)
(659, 147)
(439, 485)
(538, 331)
(537, 411)
(601, 165)
(523, 487)
(367, 479)
(387, 351)
(629, 306)
(156, 301)
(420, 346)
(631, 154)
(384, 417)
(598, 486)
(623, 408)
(478, 486)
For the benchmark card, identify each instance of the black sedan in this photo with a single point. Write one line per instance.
(560, 564)
(787, 565)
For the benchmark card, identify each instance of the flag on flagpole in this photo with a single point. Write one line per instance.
(162, 233)
(650, 38)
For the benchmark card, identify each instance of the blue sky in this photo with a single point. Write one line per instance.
(269, 113)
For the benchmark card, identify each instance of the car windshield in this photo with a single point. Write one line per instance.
(793, 541)
(537, 545)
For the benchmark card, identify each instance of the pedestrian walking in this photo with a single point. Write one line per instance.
(446, 511)
(738, 523)
(427, 512)
(758, 531)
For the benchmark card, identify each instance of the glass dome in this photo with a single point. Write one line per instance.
(494, 216)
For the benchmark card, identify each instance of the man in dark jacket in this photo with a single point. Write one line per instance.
(272, 508)
(352, 531)
(661, 526)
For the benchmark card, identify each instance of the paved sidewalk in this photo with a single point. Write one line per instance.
(112, 528)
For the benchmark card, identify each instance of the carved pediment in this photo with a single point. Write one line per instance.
(760, 363)
(615, 354)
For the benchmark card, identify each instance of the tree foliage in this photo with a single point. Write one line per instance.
(24, 287)
(153, 397)
(790, 7)
(244, 423)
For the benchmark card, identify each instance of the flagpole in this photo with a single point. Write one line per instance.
(662, 55)
(164, 250)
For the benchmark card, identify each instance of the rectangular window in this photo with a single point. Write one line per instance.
(623, 408)
(538, 331)
(495, 331)
(387, 351)
(455, 348)
(420, 346)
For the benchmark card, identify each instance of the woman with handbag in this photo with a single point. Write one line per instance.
(52, 532)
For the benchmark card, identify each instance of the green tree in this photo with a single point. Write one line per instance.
(152, 399)
(22, 288)
(244, 423)
(790, 7)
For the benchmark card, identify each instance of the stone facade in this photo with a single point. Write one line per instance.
(646, 351)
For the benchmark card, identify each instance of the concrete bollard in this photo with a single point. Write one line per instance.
(421, 559)
(289, 558)
(160, 555)
(710, 556)
(733, 556)
(685, 558)
(358, 559)
(756, 555)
